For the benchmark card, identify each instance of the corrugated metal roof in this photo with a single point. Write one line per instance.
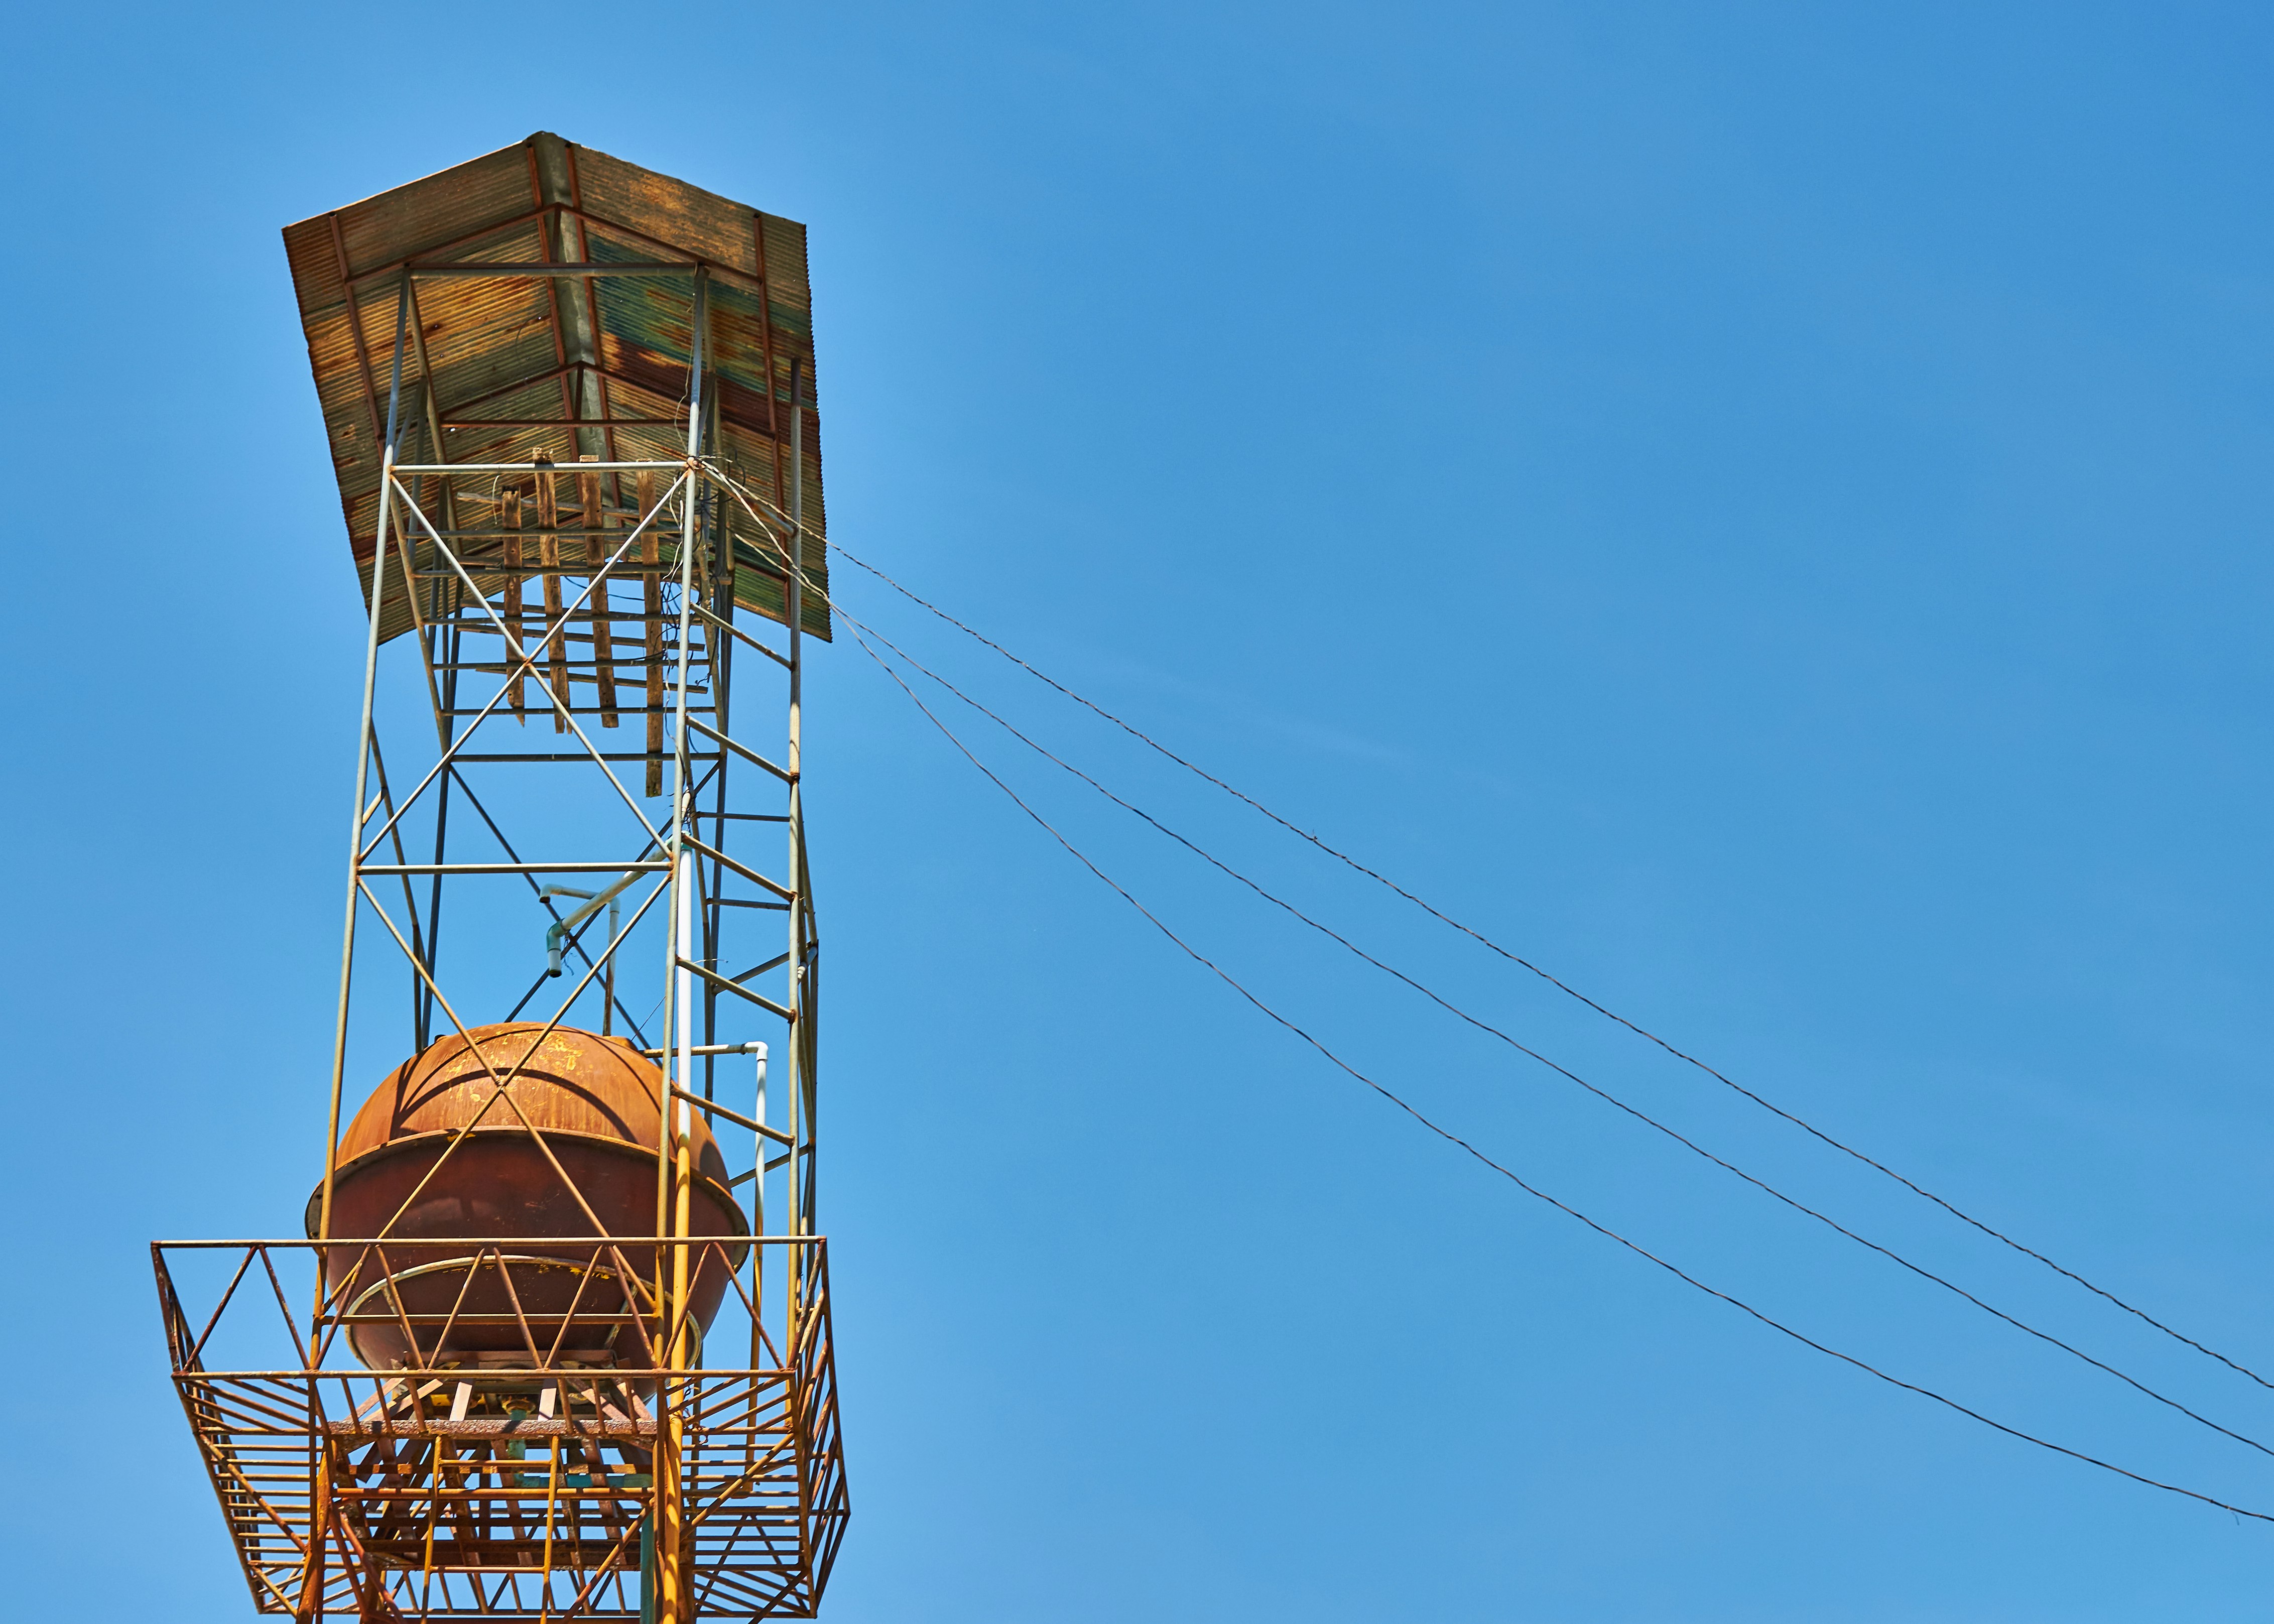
(486, 355)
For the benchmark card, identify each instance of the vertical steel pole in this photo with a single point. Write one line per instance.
(794, 605)
(682, 1177)
(448, 648)
(648, 1586)
(679, 764)
(758, 1214)
(682, 927)
(678, 987)
(719, 650)
(800, 1112)
(310, 1607)
(363, 764)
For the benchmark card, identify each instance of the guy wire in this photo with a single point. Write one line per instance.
(1523, 1048)
(1454, 1138)
(1516, 959)
(858, 629)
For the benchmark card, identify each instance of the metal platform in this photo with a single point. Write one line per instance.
(519, 1487)
(570, 406)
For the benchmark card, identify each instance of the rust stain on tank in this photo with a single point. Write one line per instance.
(595, 1101)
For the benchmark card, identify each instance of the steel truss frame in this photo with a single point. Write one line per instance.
(419, 1493)
(741, 1499)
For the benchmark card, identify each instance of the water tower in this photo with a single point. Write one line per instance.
(555, 1341)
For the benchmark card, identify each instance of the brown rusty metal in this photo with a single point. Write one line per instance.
(497, 1373)
(591, 513)
(487, 241)
(651, 608)
(516, 689)
(595, 1100)
(427, 1492)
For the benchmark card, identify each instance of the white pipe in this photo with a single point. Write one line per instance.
(683, 936)
(758, 1178)
(557, 934)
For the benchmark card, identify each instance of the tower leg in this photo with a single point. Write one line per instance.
(647, 1568)
(310, 1607)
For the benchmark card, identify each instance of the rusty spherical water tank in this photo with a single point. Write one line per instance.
(595, 1101)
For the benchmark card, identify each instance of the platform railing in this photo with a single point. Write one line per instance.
(502, 1481)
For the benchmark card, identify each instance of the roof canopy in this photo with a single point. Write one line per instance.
(561, 360)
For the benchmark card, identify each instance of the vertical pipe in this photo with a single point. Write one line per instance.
(759, 1212)
(651, 625)
(679, 789)
(758, 1180)
(647, 1566)
(310, 1607)
(608, 990)
(794, 607)
(670, 1530)
(363, 768)
(683, 996)
(449, 650)
(718, 654)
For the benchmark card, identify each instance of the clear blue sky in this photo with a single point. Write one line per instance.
(1764, 508)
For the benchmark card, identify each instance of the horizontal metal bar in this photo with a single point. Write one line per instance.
(704, 1048)
(621, 1316)
(775, 963)
(534, 624)
(524, 621)
(395, 267)
(584, 755)
(663, 867)
(714, 979)
(583, 569)
(784, 1160)
(615, 228)
(501, 667)
(533, 1488)
(751, 875)
(740, 635)
(564, 423)
(496, 269)
(403, 469)
(540, 665)
(483, 1242)
(712, 1107)
(669, 532)
(746, 817)
(738, 902)
(751, 755)
(572, 710)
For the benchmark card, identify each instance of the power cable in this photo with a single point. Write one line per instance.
(1454, 1138)
(1433, 911)
(859, 629)
(1523, 1048)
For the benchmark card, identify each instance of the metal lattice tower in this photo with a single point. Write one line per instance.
(570, 404)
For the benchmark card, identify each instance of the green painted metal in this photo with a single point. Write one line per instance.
(517, 348)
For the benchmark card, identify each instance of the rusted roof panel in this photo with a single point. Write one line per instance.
(483, 355)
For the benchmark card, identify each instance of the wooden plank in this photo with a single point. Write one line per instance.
(548, 542)
(516, 689)
(597, 550)
(651, 587)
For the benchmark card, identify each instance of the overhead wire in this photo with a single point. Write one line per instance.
(1521, 1048)
(863, 632)
(1516, 959)
(859, 629)
(1453, 1139)
(1506, 1038)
